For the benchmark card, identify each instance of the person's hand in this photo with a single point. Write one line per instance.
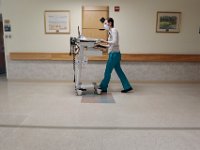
(101, 47)
(96, 46)
(98, 41)
(102, 40)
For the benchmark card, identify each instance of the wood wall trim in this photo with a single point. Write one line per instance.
(162, 57)
(49, 56)
(125, 57)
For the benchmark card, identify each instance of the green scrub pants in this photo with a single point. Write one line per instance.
(114, 63)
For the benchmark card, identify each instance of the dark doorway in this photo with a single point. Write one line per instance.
(2, 50)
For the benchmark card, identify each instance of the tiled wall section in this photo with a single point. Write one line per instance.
(135, 71)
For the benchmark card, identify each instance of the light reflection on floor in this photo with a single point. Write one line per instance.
(94, 98)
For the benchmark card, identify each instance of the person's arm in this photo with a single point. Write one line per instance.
(114, 38)
(104, 41)
(102, 45)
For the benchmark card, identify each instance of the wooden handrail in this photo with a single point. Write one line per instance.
(125, 57)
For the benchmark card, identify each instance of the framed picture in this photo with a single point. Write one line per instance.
(168, 22)
(57, 22)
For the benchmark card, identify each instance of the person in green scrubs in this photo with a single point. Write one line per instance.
(114, 58)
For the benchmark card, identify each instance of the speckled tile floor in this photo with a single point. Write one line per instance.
(49, 116)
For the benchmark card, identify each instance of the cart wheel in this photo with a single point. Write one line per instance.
(79, 92)
(98, 91)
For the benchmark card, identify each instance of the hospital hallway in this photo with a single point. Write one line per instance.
(48, 115)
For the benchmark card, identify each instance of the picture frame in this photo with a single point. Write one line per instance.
(57, 21)
(168, 22)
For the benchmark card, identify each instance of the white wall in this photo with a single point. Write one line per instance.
(136, 23)
(0, 7)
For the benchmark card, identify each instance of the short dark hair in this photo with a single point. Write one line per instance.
(111, 20)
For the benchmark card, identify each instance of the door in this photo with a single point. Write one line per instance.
(91, 25)
(2, 53)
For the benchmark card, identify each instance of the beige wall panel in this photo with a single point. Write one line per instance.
(137, 33)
